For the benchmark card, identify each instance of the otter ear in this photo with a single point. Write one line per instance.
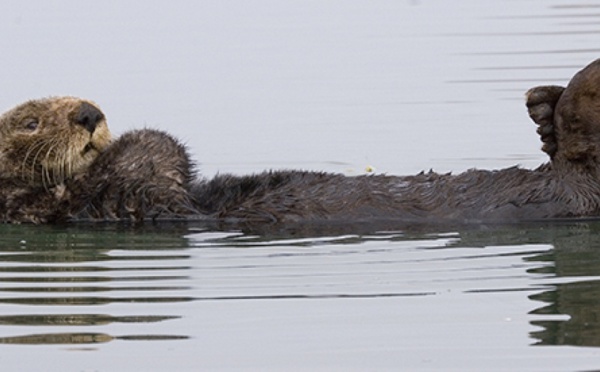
(541, 104)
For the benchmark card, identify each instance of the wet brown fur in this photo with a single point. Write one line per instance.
(474, 196)
(567, 187)
(54, 168)
(63, 171)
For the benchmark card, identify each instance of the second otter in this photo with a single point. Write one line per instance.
(148, 174)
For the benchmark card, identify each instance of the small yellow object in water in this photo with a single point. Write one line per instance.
(369, 169)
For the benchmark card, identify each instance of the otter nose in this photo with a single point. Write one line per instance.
(88, 117)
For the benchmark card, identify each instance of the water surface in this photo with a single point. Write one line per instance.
(339, 86)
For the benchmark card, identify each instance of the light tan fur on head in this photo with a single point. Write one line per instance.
(45, 141)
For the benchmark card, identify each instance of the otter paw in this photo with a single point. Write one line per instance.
(541, 102)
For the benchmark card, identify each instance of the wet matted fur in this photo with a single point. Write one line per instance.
(58, 163)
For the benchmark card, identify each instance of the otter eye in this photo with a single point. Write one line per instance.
(31, 125)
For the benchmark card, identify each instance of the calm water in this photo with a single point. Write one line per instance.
(400, 86)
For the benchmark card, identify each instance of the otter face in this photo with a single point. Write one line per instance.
(44, 142)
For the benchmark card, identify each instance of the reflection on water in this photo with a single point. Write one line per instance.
(574, 271)
(81, 338)
(57, 267)
(74, 285)
(82, 269)
(568, 281)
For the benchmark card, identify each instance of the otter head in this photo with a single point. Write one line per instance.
(45, 141)
(577, 119)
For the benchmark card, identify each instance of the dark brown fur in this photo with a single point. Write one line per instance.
(147, 174)
(143, 174)
(511, 194)
(567, 187)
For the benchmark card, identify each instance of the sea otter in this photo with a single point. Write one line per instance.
(59, 163)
